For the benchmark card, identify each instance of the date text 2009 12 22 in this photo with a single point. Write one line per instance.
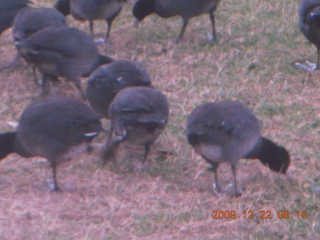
(263, 214)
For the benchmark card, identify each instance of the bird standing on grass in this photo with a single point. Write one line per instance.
(31, 20)
(54, 128)
(90, 10)
(65, 51)
(8, 11)
(187, 9)
(309, 22)
(138, 115)
(106, 81)
(227, 131)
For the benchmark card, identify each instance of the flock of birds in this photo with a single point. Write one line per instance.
(58, 128)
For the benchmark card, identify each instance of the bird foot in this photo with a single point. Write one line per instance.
(52, 186)
(308, 66)
(216, 190)
(216, 187)
(211, 38)
(99, 41)
(143, 166)
(237, 192)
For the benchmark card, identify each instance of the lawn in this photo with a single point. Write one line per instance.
(252, 61)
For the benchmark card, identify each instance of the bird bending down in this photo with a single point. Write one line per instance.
(31, 20)
(227, 131)
(90, 10)
(8, 11)
(106, 81)
(62, 52)
(54, 128)
(138, 115)
(309, 23)
(187, 9)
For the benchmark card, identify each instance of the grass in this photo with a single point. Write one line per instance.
(252, 62)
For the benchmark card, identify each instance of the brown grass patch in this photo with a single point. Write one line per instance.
(258, 41)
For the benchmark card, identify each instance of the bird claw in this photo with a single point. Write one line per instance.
(142, 167)
(210, 37)
(216, 187)
(308, 66)
(99, 41)
(52, 186)
(237, 193)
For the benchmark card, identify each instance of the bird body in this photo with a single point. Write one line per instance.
(90, 10)
(138, 115)
(229, 127)
(185, 9)
(8, 11)
(31, 19)
(168, 8)
(309, 22)
(227, 131)
(66, 52)
(106, 81)
(54, 128)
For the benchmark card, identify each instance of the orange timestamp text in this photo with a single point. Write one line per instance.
(263, 214)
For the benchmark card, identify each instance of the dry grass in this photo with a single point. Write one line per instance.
(258, 41)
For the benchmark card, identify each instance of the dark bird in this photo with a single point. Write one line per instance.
(105, 82)
(90, 10)
(62, 52)
(54, 128)
(138, 116)
(32, 19)
(8, 11)
(29, 21)
(187, 9)
(309, 22)
(227, 131)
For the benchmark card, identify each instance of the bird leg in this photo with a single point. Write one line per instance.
(145, 165)
(45, 85)
(91, 27)
(308, 66)
(237, 192)
(111, 146)
(214, 37)
(109, 21)
(184, 25)
(55, 183)
(214, 168)
(78, 85)
(318, 59)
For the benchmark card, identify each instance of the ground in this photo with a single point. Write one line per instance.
(252, 60)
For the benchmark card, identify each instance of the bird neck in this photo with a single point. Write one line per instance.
(9, 143)
(271, 155)
(143, 8)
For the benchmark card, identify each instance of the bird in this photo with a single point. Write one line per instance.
(29, 21)
(90, 10)
(32, 19)
(138, 115)
(8, 11)
(169, 8)
(309, 23)
(228, 130)
(109, 79)
(53, 128)
(62, 52)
